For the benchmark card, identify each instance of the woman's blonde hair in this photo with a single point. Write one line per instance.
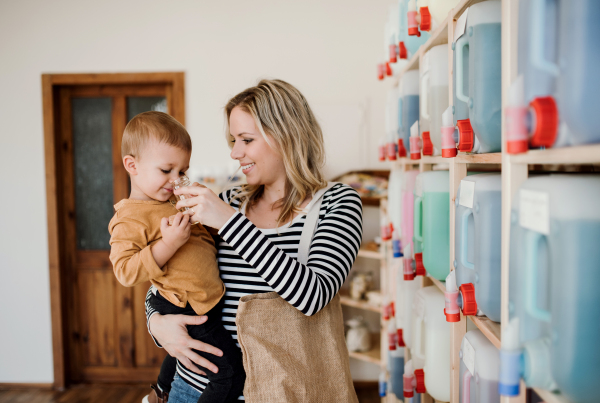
(281, 112)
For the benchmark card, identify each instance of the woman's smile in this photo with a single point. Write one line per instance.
(247, 168)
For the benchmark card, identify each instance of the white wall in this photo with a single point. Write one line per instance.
(327, 48)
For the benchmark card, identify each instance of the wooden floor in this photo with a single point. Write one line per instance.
(119, 394)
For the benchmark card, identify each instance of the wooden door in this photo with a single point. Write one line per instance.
(106, 338)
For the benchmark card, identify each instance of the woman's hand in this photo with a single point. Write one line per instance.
(207, 208)
(172, 334)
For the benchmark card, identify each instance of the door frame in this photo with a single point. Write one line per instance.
(51, 83)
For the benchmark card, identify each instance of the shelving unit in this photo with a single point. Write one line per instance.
(514, 168)
(374, 355)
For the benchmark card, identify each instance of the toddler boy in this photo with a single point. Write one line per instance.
(178, 259)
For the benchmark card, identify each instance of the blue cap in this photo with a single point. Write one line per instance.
(508, 390)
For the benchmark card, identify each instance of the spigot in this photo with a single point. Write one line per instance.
(388, 69)
(420, 380)
(382, 384)
(415, 142)
(401, 342)
(409, 269)
(380, 71)
(452, 310)
(393, 53)
(408, 379)
(419, 266)
(418, 21)
(392, 334)
(401, 149)
(382, 150)
(517, 132)
(449, 139)
(510, 360)
(396, 244)
(392, 150)
(427, 144)
(466, 138)
(402, 51)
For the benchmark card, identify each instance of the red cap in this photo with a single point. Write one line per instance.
(546, 122)
(380, 71)
(393, 58)
(403, 53)
(388, 69)
(425, 19)
(449, 152)
(420, 268)
(452, 317)
(465, 132)
(409, 273)
(427, 144)
(414, 32)
(517, 146)
(420, 376)
(400, 338)
(468, 297)
(401, 149)
(391, 151)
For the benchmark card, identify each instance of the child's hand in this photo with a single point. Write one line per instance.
(176, 234)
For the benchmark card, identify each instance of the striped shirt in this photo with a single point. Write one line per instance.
(253, 260)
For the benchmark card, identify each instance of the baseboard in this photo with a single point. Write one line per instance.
(26, 386)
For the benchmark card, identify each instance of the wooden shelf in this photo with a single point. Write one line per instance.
(490, 329)
(369, 254)
(462, 6)
(374, 355)
(493, 158)
(435, 160)
(550, 397)
(439, 284)
(588, 154)
(438, 37)
(346, 300)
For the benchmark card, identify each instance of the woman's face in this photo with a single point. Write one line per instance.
(261, 164)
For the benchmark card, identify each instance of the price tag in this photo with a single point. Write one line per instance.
(461, 25)
(467, 191)
(468, 356)
(535, 211)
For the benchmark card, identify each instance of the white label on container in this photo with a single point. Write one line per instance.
(461, 25)
(468, 356)
(467, 191)
(535, 211)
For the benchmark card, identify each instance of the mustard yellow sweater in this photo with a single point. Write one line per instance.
(191, 275)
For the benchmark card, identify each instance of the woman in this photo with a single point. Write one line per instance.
(279, 145)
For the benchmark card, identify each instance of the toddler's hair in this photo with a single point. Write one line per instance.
(153, 125)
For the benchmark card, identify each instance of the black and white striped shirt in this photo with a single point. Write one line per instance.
(253, 260)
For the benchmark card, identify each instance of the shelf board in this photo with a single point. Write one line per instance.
(369, 254)
(439, 36)
(346, 300)
(492, 158)
(374, 355)
(462, 6)
(550, 397)
(403, 162)
(588, 154)
(490, 329)
(434, 160)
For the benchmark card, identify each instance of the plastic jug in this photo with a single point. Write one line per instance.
(434, 97)
(579, 61)
(481, 37)
(409, 289)
(478, 207)
(391, 124)
(432, 222)
(431, 333)
(409, 93)
(553, 100)
(411, 42)
(396, 371)
(479, 369)
(554, 272)
(408, 187)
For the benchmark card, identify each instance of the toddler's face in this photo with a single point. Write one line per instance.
(159, 165)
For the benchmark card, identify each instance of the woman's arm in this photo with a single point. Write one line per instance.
(333, 250)
(170, 332)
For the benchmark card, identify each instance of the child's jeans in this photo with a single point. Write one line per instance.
(228, 383)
